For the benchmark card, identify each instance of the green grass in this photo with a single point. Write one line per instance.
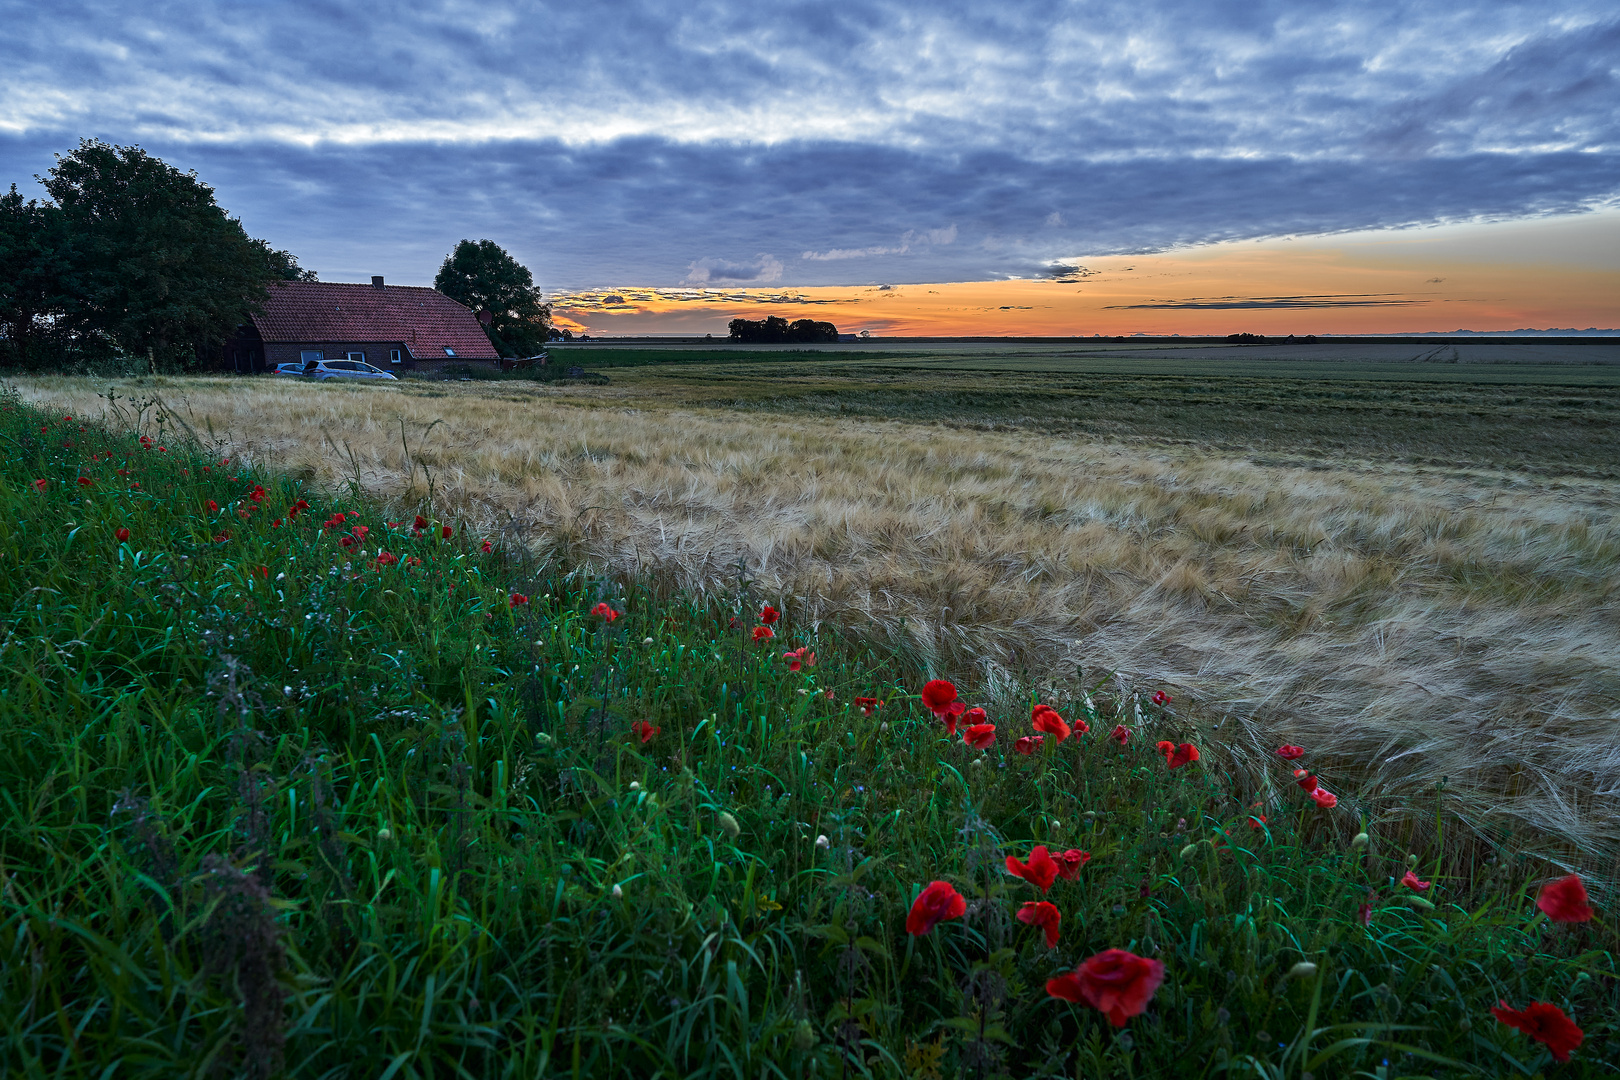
(263, 800)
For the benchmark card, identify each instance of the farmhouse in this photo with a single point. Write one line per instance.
(394, 327)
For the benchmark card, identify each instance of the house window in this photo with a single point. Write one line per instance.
(393, 356)
(448, 351)
(312, 355)
(359, 357)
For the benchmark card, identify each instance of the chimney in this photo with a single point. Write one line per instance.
(376, 281)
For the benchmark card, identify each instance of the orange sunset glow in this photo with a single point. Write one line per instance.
(1562, 272)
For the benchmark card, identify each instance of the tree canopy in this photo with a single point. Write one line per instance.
(774, 329)
(130, 255)
(481, 275)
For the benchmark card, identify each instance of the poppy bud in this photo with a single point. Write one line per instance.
(1411, 861)
(822, 842)
(1302, 970)
(728, 825)
(804, 1036)
(1420, 903)
(1360, 841)
(384, 834)
(1188, 851)
(542, 738)
(646, 641)
(635, 785)
(618, 893)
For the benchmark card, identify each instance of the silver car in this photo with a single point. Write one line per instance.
(343, 369)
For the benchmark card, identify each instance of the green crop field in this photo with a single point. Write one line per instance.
(294, 783)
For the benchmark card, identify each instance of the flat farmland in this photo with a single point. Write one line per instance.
(1418, 577)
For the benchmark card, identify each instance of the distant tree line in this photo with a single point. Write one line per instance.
(129, 256)
(775, 330)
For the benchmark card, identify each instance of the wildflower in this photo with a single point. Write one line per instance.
(1324, 798)
(122, 534)
(1029, 744)
(446, 532)
(604, 611)
(486, 547)
(1257, 821)
(347, 541)
(1121, 734)
(515, 599)
(359, 532)
(297, 508)
(1364, 913)
(769, 615)
(257, 494)
(1040, 871)
(1117, 983)
(975, 715)
(222, 537)
(420, 523)
(1304, 779)
(867, 705)
(213, 507)
(1177, 756)
(830, 696)
(940, 697)
(1410, 880)
(85, 481)
(933, 906)
(351, 514)
(275, 524)
(385, 558)
(980, 736)
(1043, 916)
(797, 658)
(1564, 900)
(1046, 718)
(763, 633)
(1161, 698)
(1544, 1022)
(1289, 753)
(1070, 862)
(645, 730)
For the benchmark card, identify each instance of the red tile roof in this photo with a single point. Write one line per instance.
(425, 320)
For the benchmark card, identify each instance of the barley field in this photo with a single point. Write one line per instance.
(1420, 582)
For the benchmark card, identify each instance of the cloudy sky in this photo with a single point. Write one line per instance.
(768, 147)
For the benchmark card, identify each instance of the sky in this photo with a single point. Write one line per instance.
(1044, 167)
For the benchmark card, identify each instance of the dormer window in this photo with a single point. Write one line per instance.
(448, 351)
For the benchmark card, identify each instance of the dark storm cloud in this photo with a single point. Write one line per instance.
(736, 143)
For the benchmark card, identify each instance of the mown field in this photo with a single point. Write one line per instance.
(308, 779)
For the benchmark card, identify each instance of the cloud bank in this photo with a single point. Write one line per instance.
(733, 143)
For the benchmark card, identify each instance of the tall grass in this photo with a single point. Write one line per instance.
(275, 805)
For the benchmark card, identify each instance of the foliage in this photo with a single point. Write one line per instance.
(773, 329)
(132, 255)
(348, 796)
(482, 276)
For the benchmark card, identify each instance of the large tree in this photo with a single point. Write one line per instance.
(36, 276)
(481, 275)
(159, 265)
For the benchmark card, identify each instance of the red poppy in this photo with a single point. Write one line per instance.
(213, 507)
(1161, 698)
(360, 531)
(980, 736)
(222, 537)
(39, 485)
(350, 514)
(792, 659)
(1116, 983)
(1324, 798)
(1564, 900)
(85, 481)
(1040, 871)
(768, 615)
(487, 547)
(1177, 756)
(386, 558)
(276, 524)
(347, 541)
(1364, 913)
(1544, 1022)
(975, 715)
(763, 633)
(1046, 718)
(937, 695)
(933, 906)
(1411, 881)
(420, 523)
(1029, 744)
(1070, 862)
(1043, 916)
(867, 705)
(1289, 753)
(604, 611)
(297, 508)
(645, 730)
(1304, 779)
(122, 534)
(447, 532)
(257, 494)
(515, 599)
(1121, 734)
(1256, 820)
